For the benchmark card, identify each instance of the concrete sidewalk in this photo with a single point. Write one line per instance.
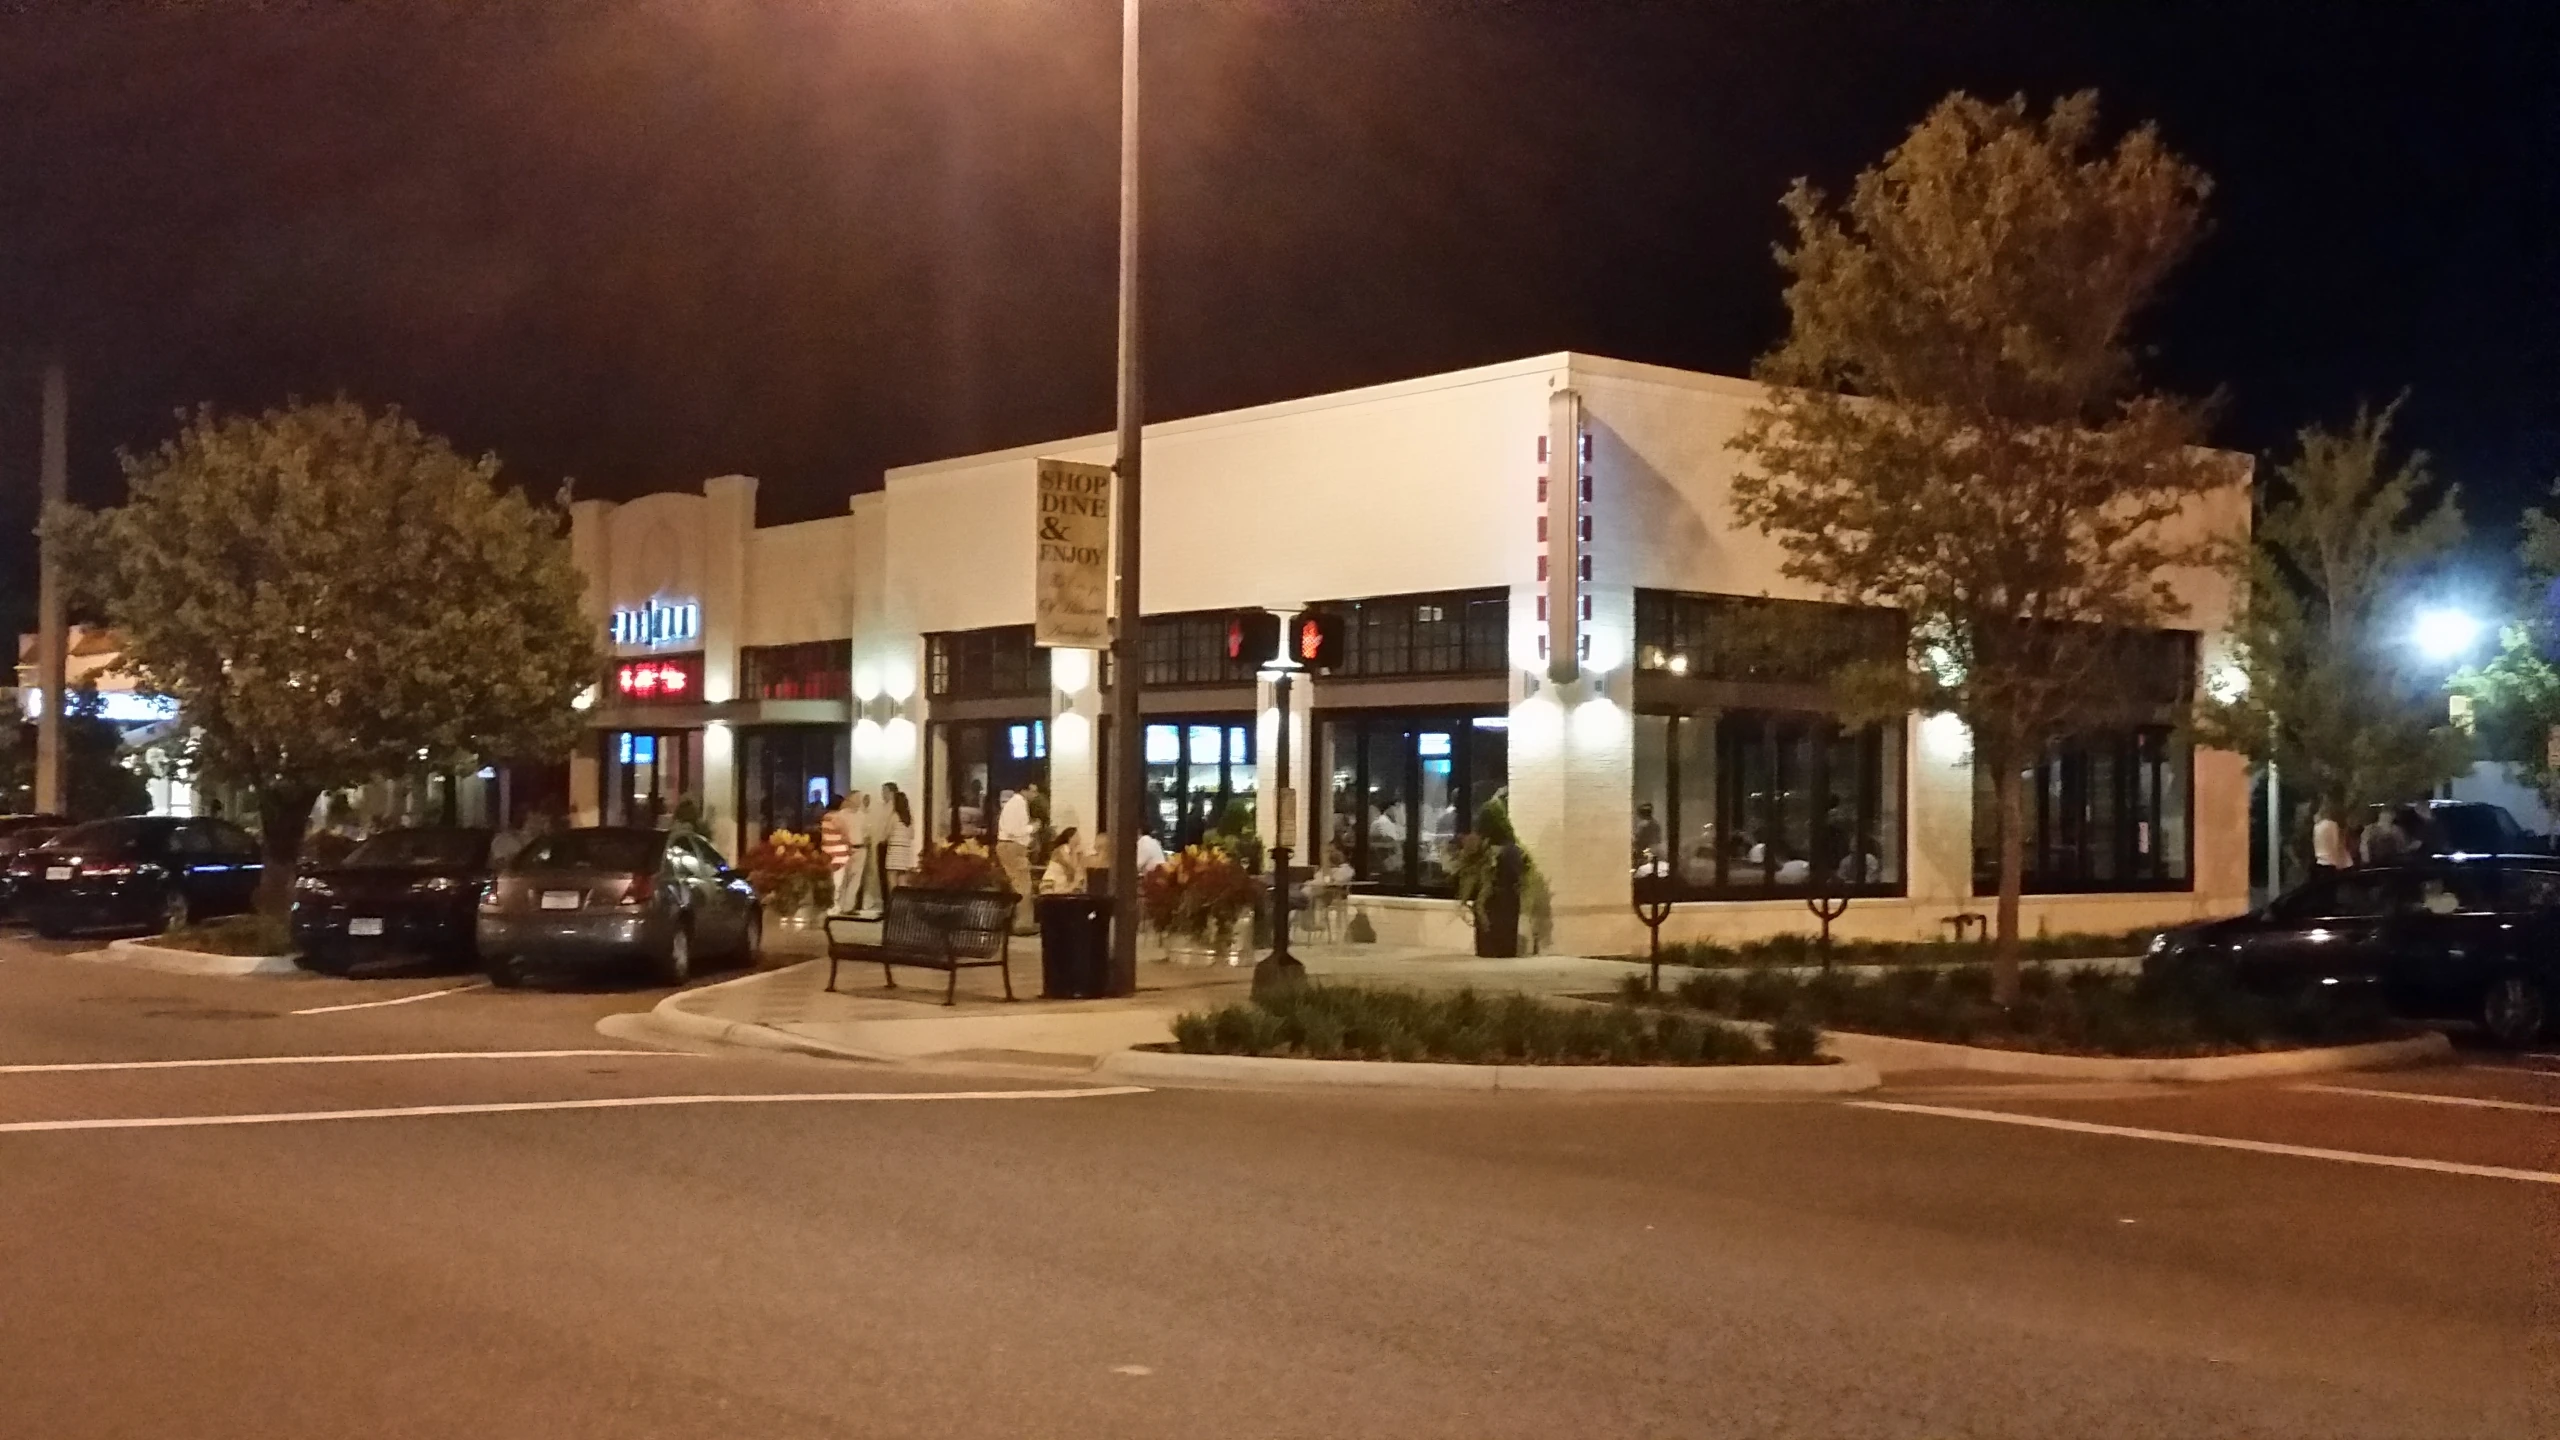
(791, 1008)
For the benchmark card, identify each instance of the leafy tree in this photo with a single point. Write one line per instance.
(1955, 429)
(2515, 695)
(95, 780)
(2333, 694)
(333, 596)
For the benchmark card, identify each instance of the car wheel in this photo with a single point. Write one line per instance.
(676, 966)
(502, 972)
(174, 912)
(321, 963)
(51, 930)
(2513, 1011)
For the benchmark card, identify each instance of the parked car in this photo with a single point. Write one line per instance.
(2438, 937)
(138, 872)
(2476, 827)
(18, 834)
(606, 895)
(408, 893)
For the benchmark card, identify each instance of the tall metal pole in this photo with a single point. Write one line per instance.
(1128, 775)
(1280, 969)
(52, 664)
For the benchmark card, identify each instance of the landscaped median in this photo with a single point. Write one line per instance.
(1357, 1035)
(2077, 1022)
(233, 945)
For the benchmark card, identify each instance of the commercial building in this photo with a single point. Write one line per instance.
(757, 668)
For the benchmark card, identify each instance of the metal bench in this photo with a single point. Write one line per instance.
(946, 930)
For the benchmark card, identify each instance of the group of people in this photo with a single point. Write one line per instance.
(2393, 831)
(1755, 858)
(870, 847)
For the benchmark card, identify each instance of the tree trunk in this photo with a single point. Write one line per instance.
(284, 812)
(2009, 793)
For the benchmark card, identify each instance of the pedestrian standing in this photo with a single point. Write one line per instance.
(2329, 850)
(864, 857)
(897, 836)
(1013, 850)
(835, 841)
(1064, 874)
(2380, 840)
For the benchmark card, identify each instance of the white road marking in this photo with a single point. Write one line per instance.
(1133, 1370)
(2425, 1099)
(396, 1000)
(519, 1107)
(82, 1065)
(2520, 1069)
(2219, 1142)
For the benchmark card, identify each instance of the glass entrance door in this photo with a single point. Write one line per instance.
(1197, 768)
(649, 773)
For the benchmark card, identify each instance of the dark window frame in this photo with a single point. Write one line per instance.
(1882, 762)
(1755, 639)
(2153, 751)
(1331, 725)
(999, 662)
(806, 670)
(1426, 633)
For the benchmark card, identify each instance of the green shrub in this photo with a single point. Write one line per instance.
(1351, 1022)
(232, 935)
(1794, 1040)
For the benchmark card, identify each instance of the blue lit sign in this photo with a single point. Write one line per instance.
(656, 624)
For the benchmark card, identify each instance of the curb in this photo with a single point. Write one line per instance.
(189, 962)
(668, 1022)
(1889, 1053)
(1163, 1066)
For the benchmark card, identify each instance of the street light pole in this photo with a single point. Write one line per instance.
(1128, 776)
(52, 662)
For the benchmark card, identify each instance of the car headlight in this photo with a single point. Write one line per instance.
(438, 884)
(2160, 943)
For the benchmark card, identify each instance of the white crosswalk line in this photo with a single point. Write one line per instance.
(522, 1107)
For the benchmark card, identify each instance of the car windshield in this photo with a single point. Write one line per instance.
(104, 837)
(628, 851)
(420, 849)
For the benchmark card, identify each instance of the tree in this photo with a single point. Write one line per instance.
(95, 780)
(2515, 695)
(332, 596)
(1955, 430)
(2334, 695)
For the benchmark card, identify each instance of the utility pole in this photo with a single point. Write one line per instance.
(52, 663)
(1127, 752)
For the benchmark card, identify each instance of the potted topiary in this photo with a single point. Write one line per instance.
(1490, 869)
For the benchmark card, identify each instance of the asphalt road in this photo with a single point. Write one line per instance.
(546, 1245)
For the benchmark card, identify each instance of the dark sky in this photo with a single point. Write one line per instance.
(645, 242)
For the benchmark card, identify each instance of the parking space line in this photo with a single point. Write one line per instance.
(2218, 1142)
(395, 1000)
(2426, 1099)
(520, 1107)
(2534, 1070)
(74, 1066)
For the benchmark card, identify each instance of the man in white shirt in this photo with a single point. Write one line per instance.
(2329, 844)
(1013, 848)
(1150, 851)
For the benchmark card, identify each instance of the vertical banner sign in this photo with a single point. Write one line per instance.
(1072, 546)
(1562, 522)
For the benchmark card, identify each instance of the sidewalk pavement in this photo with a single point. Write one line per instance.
(790, 1008)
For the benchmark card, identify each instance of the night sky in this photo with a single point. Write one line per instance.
(642, 243)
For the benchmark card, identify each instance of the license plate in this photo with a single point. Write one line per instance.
(560, 899)
(57, 872)
(364, 925)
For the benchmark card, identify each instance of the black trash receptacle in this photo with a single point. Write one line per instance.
(1075, 946)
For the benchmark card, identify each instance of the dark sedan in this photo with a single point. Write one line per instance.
(139, 872)
(609, 896)
(403, 893)
(19, 834)
(2441, 937)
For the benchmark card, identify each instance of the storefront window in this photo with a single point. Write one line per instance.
(1192, 650)
(974, 763)
(992, 664)
(1736, 803)
(818, 670)
(648, 773)
(1196, 768)
(2105, 810)
(787, 774)
(1457, 632)
(1401, 789)
(1751, 638)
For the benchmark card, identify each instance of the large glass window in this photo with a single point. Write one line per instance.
(1737, 803)
(1196, 767)
(1400, 789)
(1457, 632)
(1192, 650)
(2105, 810)
(1750, 638)
(974, 763)
(786, 776)
(818, 670)
(992, 664)
(649, 773)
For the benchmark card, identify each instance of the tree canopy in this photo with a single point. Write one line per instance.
(333, 595)
(2334, 694)
(1955, 427)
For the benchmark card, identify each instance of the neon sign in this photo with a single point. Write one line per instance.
(655, 624)
(653, 680)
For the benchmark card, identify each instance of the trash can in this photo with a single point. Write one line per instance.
(1075, 946)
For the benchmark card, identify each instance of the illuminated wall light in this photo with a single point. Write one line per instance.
(1537, 727)
(898, 679)
(1598, 723)
(1604, 648)
(1944, 738)
(1070, 670)
(898, 739)
(2225, 683)
(1070, 734)
(868, 739)
(866, 681)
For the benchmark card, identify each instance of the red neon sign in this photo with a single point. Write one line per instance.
(649, 679)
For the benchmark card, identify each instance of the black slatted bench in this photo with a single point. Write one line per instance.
(946, 930)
